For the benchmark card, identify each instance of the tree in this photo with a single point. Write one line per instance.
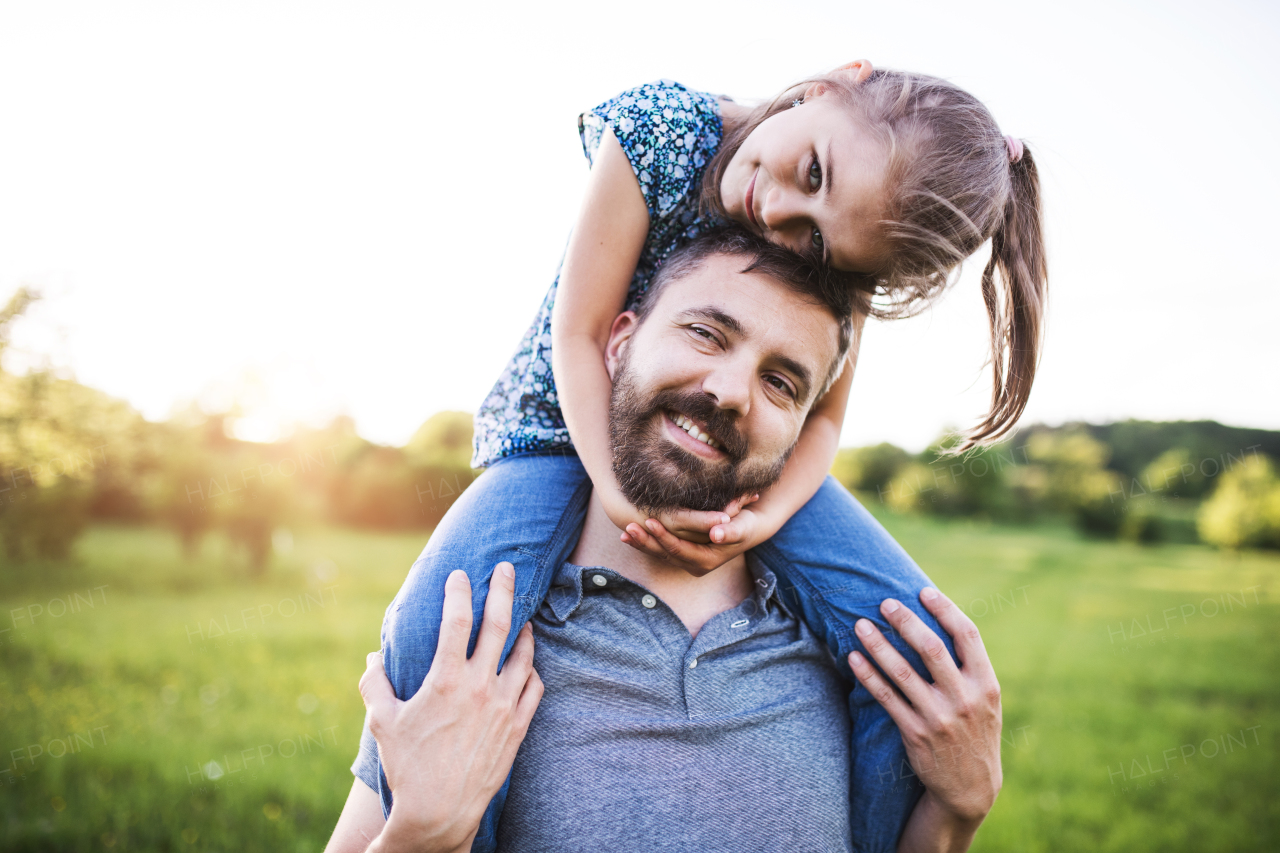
(869, 469)
(1244, 510)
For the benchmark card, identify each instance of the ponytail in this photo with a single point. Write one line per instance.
(1015, 303)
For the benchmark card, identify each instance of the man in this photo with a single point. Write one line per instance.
(681, 711)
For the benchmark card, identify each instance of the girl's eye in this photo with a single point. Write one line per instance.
(817, 239)
(815, 176)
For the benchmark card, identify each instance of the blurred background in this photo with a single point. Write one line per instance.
(259, 262)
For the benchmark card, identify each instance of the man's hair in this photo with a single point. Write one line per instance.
(820, 286)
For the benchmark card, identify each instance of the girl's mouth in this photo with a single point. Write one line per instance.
(750, 200)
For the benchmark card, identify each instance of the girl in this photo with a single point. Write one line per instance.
(887, 178)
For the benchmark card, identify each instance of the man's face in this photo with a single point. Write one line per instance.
(710, 392)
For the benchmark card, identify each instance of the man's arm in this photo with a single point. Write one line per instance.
(447, 750)
(950, 728)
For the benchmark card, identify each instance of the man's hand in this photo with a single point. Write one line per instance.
(448, 749)
(699, 542)
(951, 728)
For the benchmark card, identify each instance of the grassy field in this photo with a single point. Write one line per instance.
(150, 702)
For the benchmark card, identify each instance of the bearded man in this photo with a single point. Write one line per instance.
(678, 710)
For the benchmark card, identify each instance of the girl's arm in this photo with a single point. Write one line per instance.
(598, 266)
(806, 469)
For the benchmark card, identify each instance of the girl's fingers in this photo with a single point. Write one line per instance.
(640, 539)
(692, 521)
(921, 638)
(694, 557)
(673, 545)
(965, 634)
(733, 533)
(741, 502)
(895, 666)
(455, 626)
(496, 624)
(898, 709)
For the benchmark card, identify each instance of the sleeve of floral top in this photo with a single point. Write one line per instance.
(668, 133)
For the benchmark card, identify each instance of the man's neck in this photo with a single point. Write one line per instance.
(694, 599)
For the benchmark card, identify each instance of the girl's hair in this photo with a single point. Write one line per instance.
(951, 187)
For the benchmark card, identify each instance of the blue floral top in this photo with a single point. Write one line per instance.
(669, 134)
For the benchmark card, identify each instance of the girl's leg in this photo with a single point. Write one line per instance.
(835, 564)
(527, 510)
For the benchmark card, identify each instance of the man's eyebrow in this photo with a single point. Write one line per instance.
(715, 315)
(803, 375)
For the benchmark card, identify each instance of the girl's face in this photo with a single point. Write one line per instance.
(811, 177)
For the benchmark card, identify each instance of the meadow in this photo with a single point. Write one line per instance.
(155, 701)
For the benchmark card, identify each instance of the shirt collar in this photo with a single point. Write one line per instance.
(570, 581)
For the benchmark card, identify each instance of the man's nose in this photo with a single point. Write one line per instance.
(730, 385)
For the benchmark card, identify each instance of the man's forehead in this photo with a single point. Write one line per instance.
(757, 301)
(756, 306)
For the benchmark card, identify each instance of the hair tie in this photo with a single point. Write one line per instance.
(1015, 148)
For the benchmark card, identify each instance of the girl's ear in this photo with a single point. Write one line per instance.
(624, 326)
(854, 72)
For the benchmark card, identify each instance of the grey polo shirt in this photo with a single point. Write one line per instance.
(648, 739)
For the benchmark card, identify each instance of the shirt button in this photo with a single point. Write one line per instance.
(649, 601)
(693, 663)
(599, 580)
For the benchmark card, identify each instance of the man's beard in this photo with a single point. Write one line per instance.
(656, 474)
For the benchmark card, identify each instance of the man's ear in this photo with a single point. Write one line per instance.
(854, 72)
(624, 326)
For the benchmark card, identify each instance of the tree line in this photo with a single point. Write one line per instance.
(1144, 481)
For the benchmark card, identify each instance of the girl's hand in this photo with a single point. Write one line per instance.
(705, 528)
(951, 728)
(740, 534)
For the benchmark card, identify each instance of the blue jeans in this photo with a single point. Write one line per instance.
(834, 562)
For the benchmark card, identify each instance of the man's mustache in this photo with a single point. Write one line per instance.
(720, 424)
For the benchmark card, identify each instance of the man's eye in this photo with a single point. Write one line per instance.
(779, 384)
(815, 176)
(702, 333)
(817, 239)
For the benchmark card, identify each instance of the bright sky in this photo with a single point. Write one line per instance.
(315, 208)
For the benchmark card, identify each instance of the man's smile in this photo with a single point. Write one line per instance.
(691, 435)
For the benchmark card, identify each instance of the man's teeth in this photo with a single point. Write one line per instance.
(692, 428)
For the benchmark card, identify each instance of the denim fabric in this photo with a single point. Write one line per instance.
(835, 564)
(650, 739)
(527, 510)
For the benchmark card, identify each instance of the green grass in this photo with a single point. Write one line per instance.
(1084, 692)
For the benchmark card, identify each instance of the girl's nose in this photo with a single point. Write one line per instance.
(782, 212)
